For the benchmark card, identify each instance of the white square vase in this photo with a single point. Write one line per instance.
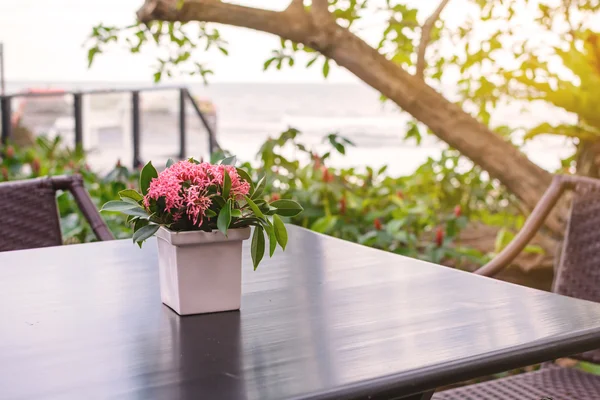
(201, 272)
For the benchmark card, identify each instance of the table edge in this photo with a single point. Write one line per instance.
(429, 378)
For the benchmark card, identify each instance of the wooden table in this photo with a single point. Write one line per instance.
(327, 319)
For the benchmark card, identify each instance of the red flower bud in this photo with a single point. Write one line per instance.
(119, 165)
(343, 205)
(400, 194)
(439, 236)
(327, 176)
(87, 167)
(457, 211)
(35, 166)
(317, 161)
(4, 173)
(10, 152)
(275, 197)
(377, 224)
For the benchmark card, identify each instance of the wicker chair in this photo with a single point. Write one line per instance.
(29, 215)
(577, 275)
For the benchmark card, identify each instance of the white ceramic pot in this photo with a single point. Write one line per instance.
(201, 272)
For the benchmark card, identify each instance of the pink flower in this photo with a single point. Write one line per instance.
(239, 187)
(168, 186)
(196, 203)
(185, 188)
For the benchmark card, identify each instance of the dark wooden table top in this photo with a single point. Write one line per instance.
(326, 319)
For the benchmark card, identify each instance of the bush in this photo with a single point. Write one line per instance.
(420, 215)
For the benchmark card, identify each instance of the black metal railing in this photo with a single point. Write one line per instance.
(184, 96)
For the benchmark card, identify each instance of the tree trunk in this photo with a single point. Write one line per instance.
(588, 159)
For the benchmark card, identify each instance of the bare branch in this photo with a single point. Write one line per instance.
(426, 37)
(293, 23)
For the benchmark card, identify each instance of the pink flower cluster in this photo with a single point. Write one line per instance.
(185, 187)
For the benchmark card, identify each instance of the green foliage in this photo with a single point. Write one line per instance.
(181, 40)
(402, 215)
(500, 58)
(184, 42)
(420, 215)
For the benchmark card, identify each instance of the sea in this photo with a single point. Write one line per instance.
(246, 114)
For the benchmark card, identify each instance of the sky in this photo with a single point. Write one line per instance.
(44, 41)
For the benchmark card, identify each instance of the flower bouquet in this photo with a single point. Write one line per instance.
(201, 213)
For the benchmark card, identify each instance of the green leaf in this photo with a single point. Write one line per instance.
(228, 161)
(272, 238)
(130, 201)
(224, 218)
(210, 213)
(245, 176)
(139, 224)
(326, 68)
(236, 213)
(533, 249)
(257, 248)
(287, 208)
(260, 203)
(130, 194)
(340, 148)
(254, 208)
(268, 63)
(218, 200)
(324, 224)
(311, 62)
(145, 232)
(226, 184)
(91, 54)
(148, 173)
(170, 162)
(137, 212)
(117, 205)
(503, 238)
(260, 187)
(280, 231)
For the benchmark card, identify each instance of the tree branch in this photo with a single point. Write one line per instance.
(426, 37)
(292, 23)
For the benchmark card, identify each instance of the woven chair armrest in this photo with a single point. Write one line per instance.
(530, 228)
(74, 184)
